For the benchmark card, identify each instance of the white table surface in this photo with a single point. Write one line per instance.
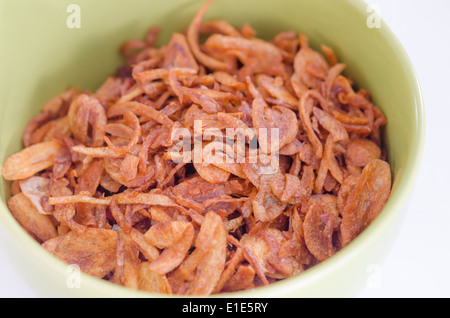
(418, 264)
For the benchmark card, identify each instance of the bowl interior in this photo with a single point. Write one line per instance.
(42, 56)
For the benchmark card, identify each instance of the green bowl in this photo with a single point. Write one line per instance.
(43, 53)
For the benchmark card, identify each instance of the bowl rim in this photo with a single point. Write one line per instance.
(289, 285)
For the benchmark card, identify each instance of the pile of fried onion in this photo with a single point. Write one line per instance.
(97, 185)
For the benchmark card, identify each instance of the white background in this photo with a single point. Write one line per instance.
(418, 264)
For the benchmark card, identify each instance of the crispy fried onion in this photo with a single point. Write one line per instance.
(86, 113)
(292, 165)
